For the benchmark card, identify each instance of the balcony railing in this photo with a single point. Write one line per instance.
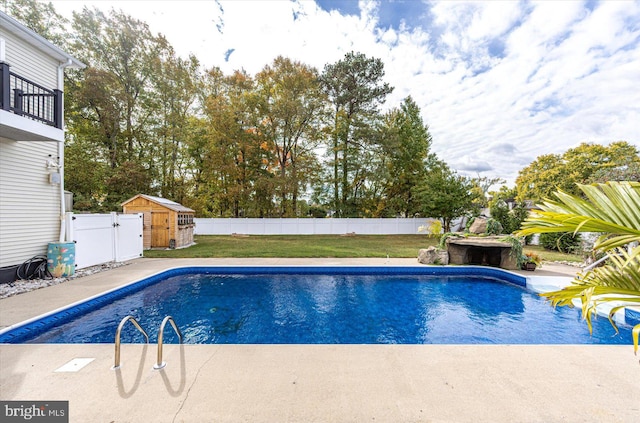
(28, 99)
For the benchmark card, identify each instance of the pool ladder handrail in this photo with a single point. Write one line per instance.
(126, 319)
(160, 364)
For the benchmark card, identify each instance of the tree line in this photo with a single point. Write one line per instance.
(289, 141)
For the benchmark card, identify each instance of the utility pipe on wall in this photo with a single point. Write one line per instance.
(61, 67)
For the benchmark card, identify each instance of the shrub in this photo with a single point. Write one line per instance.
(509, 219)
(516, 249)
(565, 242)
(317, 212)
(494, 227)
(500, 212)
(433, 230)
(469, 223)
(443, 239)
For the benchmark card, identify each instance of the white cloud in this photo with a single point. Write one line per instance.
(494, 18)
(499, 83)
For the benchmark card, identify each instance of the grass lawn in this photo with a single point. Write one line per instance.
(293, 246)
(550, 255)
(285, 246)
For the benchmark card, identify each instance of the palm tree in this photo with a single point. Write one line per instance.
(612, 209)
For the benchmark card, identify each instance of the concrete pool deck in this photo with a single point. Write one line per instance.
(305, 383)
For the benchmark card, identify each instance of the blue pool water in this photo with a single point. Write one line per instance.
(355, 307)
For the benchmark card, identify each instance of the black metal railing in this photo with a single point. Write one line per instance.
(26, 98)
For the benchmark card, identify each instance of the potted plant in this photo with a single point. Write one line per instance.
(530, 261)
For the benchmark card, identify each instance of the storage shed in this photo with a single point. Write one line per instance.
(167, 224)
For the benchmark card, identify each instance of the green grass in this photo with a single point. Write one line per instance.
(286, 246)
(336, 246)
(550, 255)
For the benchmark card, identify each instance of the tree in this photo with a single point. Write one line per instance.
(84, 175)
(122, 50)
(129, 177)
(610, 209)
(354, 87)
(292, 106)
(586, 159)
(578, 165)
(97, 114)
(236, 163)
(176, 82)
(40, 17)
(406, 143)
(510, 217)
(445, 195)
(482, 186)
(131, 103)
(625, 172)
(541, 178)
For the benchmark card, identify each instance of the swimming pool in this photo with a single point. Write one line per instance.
(326, 305)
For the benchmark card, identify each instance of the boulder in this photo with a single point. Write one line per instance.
(433, 255)
(479, 225)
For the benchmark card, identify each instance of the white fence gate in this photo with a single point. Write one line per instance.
(101, 238)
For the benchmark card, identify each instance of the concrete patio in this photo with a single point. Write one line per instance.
(305, 383)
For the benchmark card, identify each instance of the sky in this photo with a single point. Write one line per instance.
(499, 83)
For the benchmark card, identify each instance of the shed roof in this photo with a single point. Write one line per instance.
(172, 205)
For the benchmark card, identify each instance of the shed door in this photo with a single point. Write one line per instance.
(159, 229)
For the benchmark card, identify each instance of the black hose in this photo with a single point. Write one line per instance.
(34, 268)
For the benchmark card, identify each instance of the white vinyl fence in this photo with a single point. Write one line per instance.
(311, 226)
(102, 238)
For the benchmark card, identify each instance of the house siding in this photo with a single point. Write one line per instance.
(30, 62)
(29, 204)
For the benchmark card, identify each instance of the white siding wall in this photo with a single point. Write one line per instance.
(29, 62)
(29, 204)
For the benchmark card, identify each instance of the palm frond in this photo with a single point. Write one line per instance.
(613, 311)
(612, 208)
(622, 272)
(618, 281)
